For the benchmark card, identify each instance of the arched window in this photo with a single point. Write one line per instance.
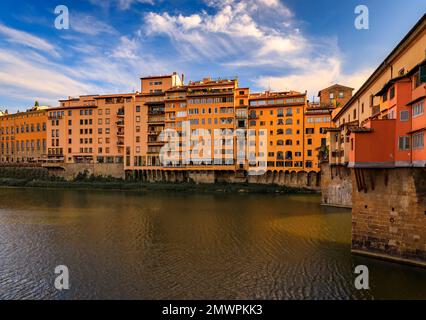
(289, 121)
(289, 131)
(289, 155)
(289, 142)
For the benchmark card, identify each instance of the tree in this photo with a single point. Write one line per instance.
(36, 104)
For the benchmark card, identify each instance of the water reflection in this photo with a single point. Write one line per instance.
(124, 245)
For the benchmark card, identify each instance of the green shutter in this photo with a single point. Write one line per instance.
(422, 74)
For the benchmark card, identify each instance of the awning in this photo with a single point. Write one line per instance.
(417, 130)
(416, 100)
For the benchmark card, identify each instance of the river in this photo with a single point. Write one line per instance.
(130, 245)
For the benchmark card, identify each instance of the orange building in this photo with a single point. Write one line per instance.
(394, 95)
(145, 121)
(279, 116)
(87, 130)
(387, 111)
(395, 136)
(211, 117)
(317, 119)
(23, 136)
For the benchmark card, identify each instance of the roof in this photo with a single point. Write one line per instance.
(177, 89)
(420, 25)
(416, 100)
(274, 95)
(335, 86)
(357, 129)
(159, 77)
(389, 84)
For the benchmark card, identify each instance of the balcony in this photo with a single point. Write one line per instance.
(156, 112)
(120, 123)
(120, 133)
(120, 113)
(120, 144)
(375, 110)
(55, 116)
(156, 120)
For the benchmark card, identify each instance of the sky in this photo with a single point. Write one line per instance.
(301, 45)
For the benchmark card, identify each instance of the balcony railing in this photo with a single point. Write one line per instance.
(375, 110)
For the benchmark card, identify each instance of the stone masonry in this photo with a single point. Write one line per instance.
(389, 213)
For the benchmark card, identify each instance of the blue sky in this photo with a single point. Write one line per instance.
(269, 44)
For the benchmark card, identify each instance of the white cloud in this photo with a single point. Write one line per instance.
(27, 39)
(318, 76)
(26, 74)
(121, 4)
(232, 30)
(87, 24)
(255, 36)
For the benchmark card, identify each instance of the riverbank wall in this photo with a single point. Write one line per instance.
(336, 186)
(388, 209)
(302, 179)
(389, 214)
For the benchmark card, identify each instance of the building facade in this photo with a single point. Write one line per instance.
(378, 155)
(23, 136)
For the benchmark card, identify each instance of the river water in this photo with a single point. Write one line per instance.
(129, 245)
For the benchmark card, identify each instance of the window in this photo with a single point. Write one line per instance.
(418, 109)
(362, 107)
(138, 108)
(418, 140)
(354, 114)
(309, 130)
(404, 115)
(341, 95)
(392, 93)
(331, 95)
(417, 82)
(309, 141)
(404, 143)
(385, 97)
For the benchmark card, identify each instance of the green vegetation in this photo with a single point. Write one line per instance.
(39, 178)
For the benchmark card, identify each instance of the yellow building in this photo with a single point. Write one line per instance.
(23, 136)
